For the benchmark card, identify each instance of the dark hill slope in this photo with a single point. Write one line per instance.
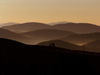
(82, 38)
(14, 36)
(25, 27)
(77, 27)
(18, 59)
(94, 44)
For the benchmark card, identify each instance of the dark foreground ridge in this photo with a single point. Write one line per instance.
(20, 59)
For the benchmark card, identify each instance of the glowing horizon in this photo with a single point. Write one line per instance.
(47, 11)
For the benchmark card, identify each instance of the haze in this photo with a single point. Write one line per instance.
(47, 11)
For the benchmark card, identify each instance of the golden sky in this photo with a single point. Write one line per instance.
(46, 11)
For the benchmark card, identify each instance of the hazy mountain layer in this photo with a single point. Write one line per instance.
(48, 34)
(74, 27)
(25, 27)
(14, 36)
(81, 39)
(78, 27)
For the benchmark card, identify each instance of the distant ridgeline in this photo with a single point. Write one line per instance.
(20, 59)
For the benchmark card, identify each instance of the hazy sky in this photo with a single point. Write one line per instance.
(47, 11)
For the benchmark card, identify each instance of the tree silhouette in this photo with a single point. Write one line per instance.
(53, 44)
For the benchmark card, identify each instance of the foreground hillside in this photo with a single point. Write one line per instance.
(20, 59)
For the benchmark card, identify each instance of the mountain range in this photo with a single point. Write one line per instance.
(73, 27)
(41, 49)
(34, 33)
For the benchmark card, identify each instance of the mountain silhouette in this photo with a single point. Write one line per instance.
(47, 34)
(17, 58)
(73, 27)
(81, 39)
(14, 36)
(77, 27)
(25, 27)
(61, 44)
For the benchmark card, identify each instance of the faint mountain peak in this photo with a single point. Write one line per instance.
(8, 24)
(61, 22)
(33, 23)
